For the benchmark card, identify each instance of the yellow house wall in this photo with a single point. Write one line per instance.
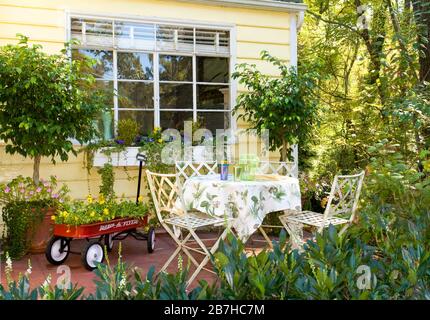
(44, 22)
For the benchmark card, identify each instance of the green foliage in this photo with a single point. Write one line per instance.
(25, 204)
(99, 210)
(42, 103)
(108, 180)
(328, 268)
(21, 218)
(286, 106)
(20, 289)
(128, 130)
(152, 149)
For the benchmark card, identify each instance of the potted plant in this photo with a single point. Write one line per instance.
(27, 212)
(44, 103)
(121, 151)
(285, 105)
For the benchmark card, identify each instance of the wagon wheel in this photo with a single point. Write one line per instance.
(109, 242)
(57, 250)
(92, 254)
(151, 240)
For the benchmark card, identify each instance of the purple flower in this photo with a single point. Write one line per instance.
(45, 184)
(38, 189)
(7, 190)
(22, 190)
(31, 192)
(120, 142)
(55, 195)
(49, 190)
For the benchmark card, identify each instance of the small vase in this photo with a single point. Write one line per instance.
(107, 125)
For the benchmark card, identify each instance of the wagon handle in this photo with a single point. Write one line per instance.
(141, 158)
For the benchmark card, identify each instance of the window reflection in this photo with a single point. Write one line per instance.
(175, 68)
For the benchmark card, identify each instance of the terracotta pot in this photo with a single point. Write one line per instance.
(42, 232)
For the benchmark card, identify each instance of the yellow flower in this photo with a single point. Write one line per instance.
(92, 214)
(160, 141)
(64, 214)
(101, 199)
(157, 129)
(53, 218)
(324, 202)
(140, 199)
(90, 199)
(106, 211)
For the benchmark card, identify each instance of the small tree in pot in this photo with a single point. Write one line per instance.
(284, 105)
(43, 103)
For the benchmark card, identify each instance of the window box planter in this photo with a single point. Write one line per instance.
(126, 158)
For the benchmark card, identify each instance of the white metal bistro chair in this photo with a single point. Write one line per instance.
(165, 190)
(189, 169)
(287, 169)
(340, 210)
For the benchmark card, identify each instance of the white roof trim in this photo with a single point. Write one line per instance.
(255, 4)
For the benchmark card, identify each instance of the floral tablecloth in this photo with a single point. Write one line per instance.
(248, 202)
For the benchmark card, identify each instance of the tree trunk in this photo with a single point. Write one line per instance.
(422, 20)
(284, 151)
(375, 48)
(36, 169)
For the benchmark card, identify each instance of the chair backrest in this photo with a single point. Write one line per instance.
(164, 192)
(344, 196)
(189, 169)
(289, 169)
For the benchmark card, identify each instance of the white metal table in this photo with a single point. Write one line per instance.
(247, 202)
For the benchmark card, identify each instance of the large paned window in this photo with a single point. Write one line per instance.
(159, 74)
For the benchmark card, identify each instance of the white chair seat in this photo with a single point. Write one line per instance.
(314, 219)
(193, 221)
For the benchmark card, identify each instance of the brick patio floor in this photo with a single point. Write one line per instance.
(133, 252)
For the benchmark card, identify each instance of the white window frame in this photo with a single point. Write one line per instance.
(232, 56)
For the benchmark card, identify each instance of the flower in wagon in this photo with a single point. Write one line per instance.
(53, 218)
(101, 199)
(140, 199)
(92, 214)
(106, 211)
(6, 190)
(89, 199)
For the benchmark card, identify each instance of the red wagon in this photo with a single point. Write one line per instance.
(96, 234)
(58, 248)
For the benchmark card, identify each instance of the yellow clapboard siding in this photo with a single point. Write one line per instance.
(34, 32)
(253, 50)
(262, 35)
(33, 16)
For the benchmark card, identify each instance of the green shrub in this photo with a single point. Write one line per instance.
(128, 130)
